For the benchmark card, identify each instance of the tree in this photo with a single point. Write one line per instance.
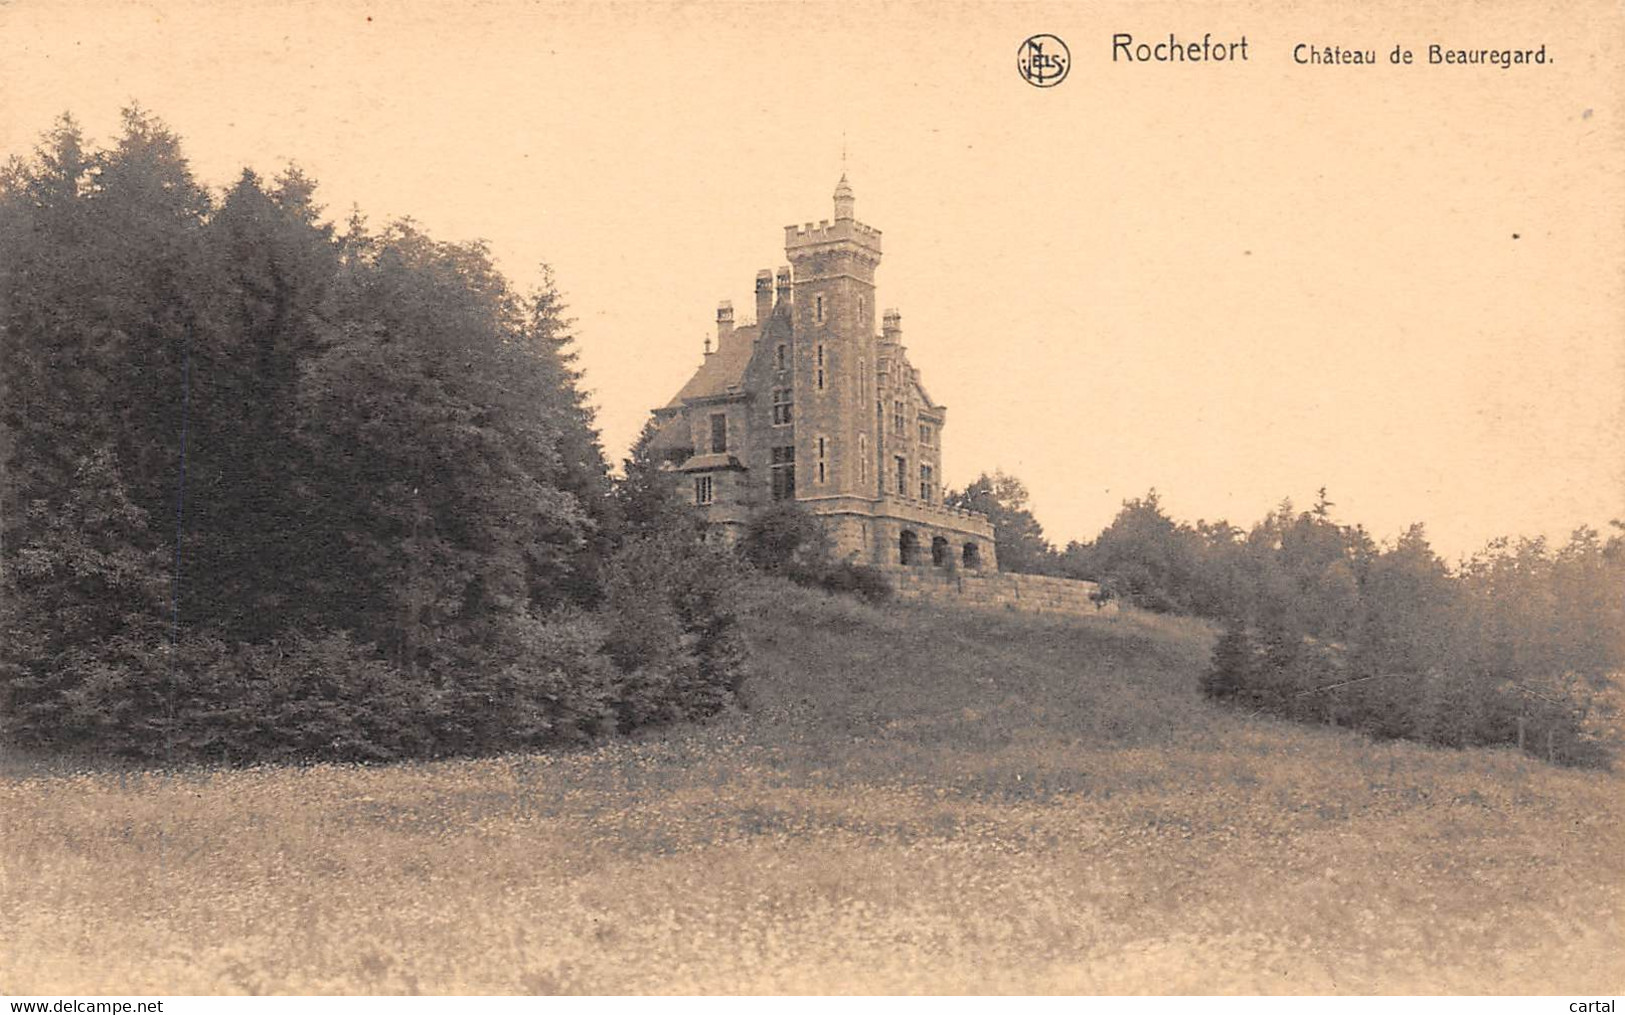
(1144, 557)
(583, 470)
(647, 501)
(264, 302)
(1233, 669)
(1020, 538)
(438, 438)
(95, 249)
(1307, 570)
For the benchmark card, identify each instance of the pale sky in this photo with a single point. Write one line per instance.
(1234, 283)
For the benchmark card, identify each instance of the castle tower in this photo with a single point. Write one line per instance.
(833, 266)
(810, 404)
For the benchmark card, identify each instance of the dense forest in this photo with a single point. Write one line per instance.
(1523, 643)
(275, 489)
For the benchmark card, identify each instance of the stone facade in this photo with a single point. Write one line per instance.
(808, 402)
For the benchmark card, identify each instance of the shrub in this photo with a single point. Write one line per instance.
(1233, 665)
(672, 621)
(201, 699)
(785, 540)
(861, 580)
(311, 698)
(564, 685)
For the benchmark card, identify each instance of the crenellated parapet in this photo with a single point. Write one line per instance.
(840, 231)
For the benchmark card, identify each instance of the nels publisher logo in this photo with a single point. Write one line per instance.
(1043, 61)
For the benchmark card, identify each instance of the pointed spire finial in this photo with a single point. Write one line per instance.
(845, 200)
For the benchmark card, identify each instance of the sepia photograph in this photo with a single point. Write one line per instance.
(824, 497)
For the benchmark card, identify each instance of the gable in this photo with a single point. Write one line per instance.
(923, 396)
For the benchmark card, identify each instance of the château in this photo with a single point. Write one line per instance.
(810, 403)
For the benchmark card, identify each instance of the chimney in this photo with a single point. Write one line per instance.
(764, 296)
(725, 322)
(891, 326)
(782, 283)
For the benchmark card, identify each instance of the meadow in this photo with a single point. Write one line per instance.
(910, 800)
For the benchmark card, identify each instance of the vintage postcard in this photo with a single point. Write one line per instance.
(705, 498)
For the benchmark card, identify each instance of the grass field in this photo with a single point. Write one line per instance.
(913, 801)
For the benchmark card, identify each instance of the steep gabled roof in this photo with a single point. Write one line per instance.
(721, 370)
(779, 324)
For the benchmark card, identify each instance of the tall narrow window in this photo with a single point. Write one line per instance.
(820, 367)
(818, 309)
(702, 490)
(902, 476)
(719, 433)
(781, 406)
(863, 458)
(780, 357)
(928, 434)
(898, 425)
(783, 473)
(863, 381)
(926, 485)
(822, 448)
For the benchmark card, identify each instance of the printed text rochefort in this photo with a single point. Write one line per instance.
(1174, 49)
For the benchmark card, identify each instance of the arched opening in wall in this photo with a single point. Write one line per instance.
(908, 547)
(939, 551)
(972, 557)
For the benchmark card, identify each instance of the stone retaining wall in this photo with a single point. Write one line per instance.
(1026, 592)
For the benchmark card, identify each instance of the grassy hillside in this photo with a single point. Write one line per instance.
(912, 801)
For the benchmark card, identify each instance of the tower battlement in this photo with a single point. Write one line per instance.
(845, 229)
(841, 230)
